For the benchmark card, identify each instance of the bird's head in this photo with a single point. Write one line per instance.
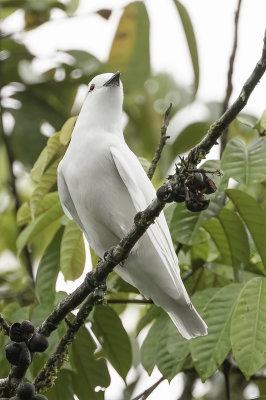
(103, 104)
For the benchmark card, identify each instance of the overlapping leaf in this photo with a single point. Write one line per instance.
(39, 224)
(208, 352)
(48, 270)
(115, 342)
(191, 40)
(246, 164)
(89, 371)
(248, 327)
(254, 217)
(229, 235)
(72, 252)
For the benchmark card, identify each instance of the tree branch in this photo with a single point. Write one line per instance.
(145, 218)
(144, 395)
(161, 144)
(229, 88)
(48, 373)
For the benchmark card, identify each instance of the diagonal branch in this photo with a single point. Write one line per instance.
(48, 373)
(161, 144)
(145, 218)
(144, 395)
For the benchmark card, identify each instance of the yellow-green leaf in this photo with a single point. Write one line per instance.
(72, 252)
(248, 327)
(66, 131)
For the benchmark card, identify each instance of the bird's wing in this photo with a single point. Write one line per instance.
(66, 199)
(142, 193)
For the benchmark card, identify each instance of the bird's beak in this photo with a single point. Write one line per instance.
(114, 80)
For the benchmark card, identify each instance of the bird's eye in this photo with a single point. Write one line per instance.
(92, 86)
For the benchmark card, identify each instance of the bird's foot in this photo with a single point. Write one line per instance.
(122, 263)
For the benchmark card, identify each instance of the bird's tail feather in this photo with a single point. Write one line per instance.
(188, 321)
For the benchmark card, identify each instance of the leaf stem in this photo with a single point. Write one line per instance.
(144, 395)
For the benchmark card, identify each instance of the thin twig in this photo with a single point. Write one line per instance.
(162, 143)
(226, 372)
(229, 88)
(144, 395)
(4, 325)
(129, 301)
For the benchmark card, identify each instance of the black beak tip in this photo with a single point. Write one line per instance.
(114, 80)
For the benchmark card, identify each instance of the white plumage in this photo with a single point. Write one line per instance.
(102, 186)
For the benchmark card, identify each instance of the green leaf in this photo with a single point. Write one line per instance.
(254, 217)
(230, 237)
(191, 41)
(66, 131)
(164, 347)
(90, 372)
(184, 225)
(248, 327)
(24, 213)
(208, 352)
(246, 164)
(47, 182)
(190, 137)
(48, 270)
(63, 387)
(115, 342)
(51, 149)
(72, 252)
(151, 313)
(130, 45)
(39, 224)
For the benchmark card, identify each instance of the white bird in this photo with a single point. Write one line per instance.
(102, 186)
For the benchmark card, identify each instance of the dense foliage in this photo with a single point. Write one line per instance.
(221, 250)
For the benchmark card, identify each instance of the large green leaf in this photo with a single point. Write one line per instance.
(190, 137)
(115, 342)
(66, 131)
(208, 352)
(155, 350)
(47, 155)
(24, 212)
(72, 252)
(184, 225)
(48, 269)
(254, 217)
(130, 45)
(46, 183)
(89, 371)
(191, 40)
(39, 224)
(63, 387)
(246, 164)
(248, 327)
(230, 237)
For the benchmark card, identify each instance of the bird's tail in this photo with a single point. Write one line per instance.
(188, 321)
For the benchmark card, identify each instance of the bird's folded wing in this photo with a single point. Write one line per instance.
(142, 193)
(66, 199)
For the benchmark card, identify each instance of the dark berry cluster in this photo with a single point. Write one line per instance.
(192, 191)
(26, 391)
(24, 342)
